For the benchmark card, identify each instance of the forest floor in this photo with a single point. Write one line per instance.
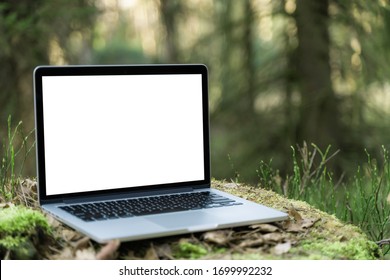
(308, 234)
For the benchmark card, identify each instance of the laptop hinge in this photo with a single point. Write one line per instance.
(126, 195)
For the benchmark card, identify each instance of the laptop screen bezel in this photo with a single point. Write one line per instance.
(96, 70)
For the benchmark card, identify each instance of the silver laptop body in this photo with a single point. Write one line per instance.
(110, 135)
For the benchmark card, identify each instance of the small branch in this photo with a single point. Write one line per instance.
(383, 242)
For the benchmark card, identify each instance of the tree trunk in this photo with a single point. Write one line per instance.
(237, 58)
(249, 66)
(168, 11)
(319, 121)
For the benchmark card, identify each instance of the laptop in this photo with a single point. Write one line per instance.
(123, 152)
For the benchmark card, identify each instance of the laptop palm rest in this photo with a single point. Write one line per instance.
(193, 221)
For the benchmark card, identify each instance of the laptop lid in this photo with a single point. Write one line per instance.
(104, 130)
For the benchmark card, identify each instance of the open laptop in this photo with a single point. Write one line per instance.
(123, 152)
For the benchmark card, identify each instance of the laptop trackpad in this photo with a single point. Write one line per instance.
(193, 221)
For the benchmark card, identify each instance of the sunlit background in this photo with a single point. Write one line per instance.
(281, 72)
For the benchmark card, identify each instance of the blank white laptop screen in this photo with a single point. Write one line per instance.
(107, 132)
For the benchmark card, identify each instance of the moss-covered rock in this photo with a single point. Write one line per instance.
(326, 238)
(22, 231)
(308, 234)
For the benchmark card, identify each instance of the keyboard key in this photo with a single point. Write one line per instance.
(148, 206)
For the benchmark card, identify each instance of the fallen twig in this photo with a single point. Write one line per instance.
(383, 242)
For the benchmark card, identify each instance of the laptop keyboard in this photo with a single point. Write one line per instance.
(147, 206)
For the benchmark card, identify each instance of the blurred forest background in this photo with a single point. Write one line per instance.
(281, 72)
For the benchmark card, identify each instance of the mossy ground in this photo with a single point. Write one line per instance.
(24, 233)
(329, 238)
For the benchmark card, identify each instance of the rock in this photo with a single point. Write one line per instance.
(310, 233)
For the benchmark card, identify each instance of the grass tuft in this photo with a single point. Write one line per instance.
(9, 153)
(362, 200)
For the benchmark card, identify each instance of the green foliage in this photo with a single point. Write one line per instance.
(10, 151)
(21, 230)
(119, 53)
(361, 201)
(35, 33)
(366, 198)
(256, 104)
(189, 250)
(255, 99)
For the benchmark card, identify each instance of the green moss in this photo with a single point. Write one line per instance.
(18, 226)
(355, 249)
(329, 238)
(219, 250)
(187, 250)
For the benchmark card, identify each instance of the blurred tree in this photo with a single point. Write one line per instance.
(30, 33)
(325, 56)
(319, 120)
(359, 60)
(281, 72)
(169, 11)
(34, 33)
(120, 48)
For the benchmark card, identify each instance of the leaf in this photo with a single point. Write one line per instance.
(294, 213)
(301, 226)
(282, 248)
(220, 237)
(82, 243)
(108, 251)
(30, 184)
(307, 223)
(231, 185)
(71, 235)
(151, 253)
(265, 228)
(7, 205)
(52, 221)
(85, 254)
(388, 199)
(65, 254)
(289, 226)
(251, 243)
(131, 256)
(273, 237)
(164, 251)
